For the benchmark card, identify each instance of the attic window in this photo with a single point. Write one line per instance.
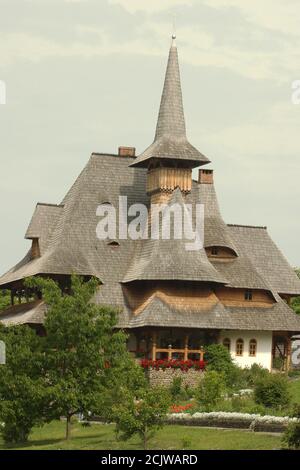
(214, 251)
(113, 244)
(248, 295)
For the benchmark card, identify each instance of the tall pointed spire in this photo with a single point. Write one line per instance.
(170, 140)
(171, 115)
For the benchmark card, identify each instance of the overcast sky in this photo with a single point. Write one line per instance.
(86, 76)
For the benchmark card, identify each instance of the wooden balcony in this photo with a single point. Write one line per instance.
(170, 350)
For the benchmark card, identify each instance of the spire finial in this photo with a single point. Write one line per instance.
(174, 30)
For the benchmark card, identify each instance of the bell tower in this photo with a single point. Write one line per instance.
(170, 158)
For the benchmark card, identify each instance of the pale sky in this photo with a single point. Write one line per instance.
(86, 76)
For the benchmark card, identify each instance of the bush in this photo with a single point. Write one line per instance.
(210, 390)
(254, 374)
(218, 358)
(291, 437)
(295, 411)
(176, 388)
(272, 391)
(278, 363)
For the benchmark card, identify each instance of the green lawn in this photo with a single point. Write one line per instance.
(99, 436)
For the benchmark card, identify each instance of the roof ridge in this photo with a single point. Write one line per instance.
(262, 227)
(113, 155)
(49, 204)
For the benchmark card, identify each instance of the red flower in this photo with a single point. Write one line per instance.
(172, 364)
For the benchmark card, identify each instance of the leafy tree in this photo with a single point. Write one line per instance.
(142, 413)
(4, 299)
(85, 356)
(218, 358)
(296, 300)
(272, 391)
(22, 390)
(210, 390)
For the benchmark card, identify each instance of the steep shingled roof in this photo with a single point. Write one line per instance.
(170, 140)
(67, 234)
(279, 317)
(43, 222)
(169, 259)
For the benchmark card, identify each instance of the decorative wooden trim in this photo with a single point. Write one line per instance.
(168, 179)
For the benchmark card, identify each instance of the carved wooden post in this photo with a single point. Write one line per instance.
(201, 353)
(186, 347)
(154, 347)
(170, 352)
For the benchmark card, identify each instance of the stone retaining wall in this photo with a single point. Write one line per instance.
(164, 378)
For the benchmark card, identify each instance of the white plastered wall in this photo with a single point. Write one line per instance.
(264, 347)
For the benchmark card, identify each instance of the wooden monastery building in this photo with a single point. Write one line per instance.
(236, 290)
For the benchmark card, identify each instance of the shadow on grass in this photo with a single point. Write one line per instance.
(102, 439)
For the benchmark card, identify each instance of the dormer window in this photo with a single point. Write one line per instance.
(214, 251)
(113, 244)
(248, 294)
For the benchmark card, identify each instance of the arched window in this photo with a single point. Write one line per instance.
(239, 350)
(252, 347)
(226, 343)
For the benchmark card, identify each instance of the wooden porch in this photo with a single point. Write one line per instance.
(171, 343)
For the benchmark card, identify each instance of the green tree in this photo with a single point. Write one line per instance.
(4, 299)
(218, 358)
(22, 390)
(296, 300)
(142, 413)
(210, 390)
(85, 356)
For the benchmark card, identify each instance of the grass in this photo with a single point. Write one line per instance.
(102, 437)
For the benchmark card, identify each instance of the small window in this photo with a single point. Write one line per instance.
(113, 244)
(248, 294)
(252, 347)
(214, 251)
(226, 343)
(239, 351)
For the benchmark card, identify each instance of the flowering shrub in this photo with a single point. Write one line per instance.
(172, 364)
(181, 408)
(223, 419)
